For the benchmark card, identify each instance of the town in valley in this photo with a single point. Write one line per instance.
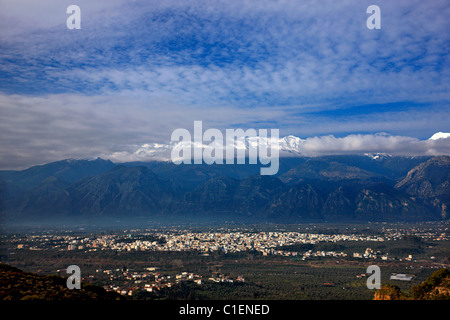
(307, 261)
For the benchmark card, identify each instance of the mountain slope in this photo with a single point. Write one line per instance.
(324, 169)
(69, 170)
(16, 284)
(299, 202)
(120, 191)
(324, 188)
(430, 181)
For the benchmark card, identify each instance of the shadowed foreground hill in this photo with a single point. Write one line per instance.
(436, 287)
(16, 284)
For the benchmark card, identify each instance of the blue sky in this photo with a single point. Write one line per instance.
(137, 70)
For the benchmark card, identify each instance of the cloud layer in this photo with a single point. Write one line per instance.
(213, 53)
(40, 129)
(313, 146)
(137, 70)
(374, 143)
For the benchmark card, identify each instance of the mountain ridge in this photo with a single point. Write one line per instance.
(336, 188)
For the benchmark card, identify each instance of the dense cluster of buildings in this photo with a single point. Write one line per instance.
(266, 243)
(149, 280)
(128, 282)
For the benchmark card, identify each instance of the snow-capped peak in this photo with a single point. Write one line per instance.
(290, 143)
(440, 135)
(378, 156)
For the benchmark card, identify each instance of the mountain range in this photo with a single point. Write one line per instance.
(329, 188)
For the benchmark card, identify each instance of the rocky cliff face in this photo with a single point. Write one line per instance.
(300, 201)
(430, 181)
(389, 292)
(319, 189)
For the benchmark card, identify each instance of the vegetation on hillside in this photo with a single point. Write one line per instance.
(435, 287)
(18, 285)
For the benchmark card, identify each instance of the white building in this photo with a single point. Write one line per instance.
(401, 276)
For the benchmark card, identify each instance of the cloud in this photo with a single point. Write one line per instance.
(374, 143)
(138, 70)
(293, 146)
(247, 53)
(40, 129)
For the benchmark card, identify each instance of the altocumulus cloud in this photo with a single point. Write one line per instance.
(248, 53)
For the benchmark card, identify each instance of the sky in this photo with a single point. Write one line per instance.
(138, 70)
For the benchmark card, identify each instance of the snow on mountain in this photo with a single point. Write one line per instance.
(290, 144)
(161, 151)
(378, 156)
(440, 135)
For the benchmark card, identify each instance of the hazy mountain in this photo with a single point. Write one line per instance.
(325, 169)
(298, 202)
(69, 170)
(255, 193)
(340, 203)
(430, 181)
(119, 191)
(369, 165)
(362, 188)
(214, 196)
(386, 203)
(42, 200)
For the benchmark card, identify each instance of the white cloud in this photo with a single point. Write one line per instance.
(380, 143)
(138, 70)
(40, 129)
(240, 53)
(440, 135)
(35, 130)
(374, 143)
